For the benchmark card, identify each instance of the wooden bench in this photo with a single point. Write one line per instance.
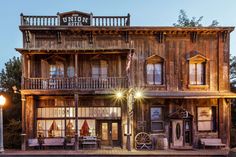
(53, 142)
(89, 142)
(211, 142)
(33, 142)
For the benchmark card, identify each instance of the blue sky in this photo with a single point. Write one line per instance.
(143, 13)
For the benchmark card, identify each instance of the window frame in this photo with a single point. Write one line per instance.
(99, 65)
(161, 120)
(196, 73)
(155, 60)
(213, 120)
(59, 70)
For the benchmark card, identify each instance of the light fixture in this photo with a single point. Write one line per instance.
(138, 94)
(2, 100)
(119, 94)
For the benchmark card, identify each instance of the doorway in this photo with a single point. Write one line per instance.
(177, 133)
(109, 131)
(181, 129)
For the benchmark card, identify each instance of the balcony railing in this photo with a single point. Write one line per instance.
(107, 21)
(82, 83)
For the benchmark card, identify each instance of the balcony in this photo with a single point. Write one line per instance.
(76, 83)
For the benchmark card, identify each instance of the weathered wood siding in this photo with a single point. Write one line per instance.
(174, 49)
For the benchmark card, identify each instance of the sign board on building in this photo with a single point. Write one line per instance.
(74, 18)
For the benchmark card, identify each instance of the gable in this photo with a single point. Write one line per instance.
(195, 56)
(154, 59)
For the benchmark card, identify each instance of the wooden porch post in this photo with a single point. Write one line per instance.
(23, 134)
(76, 97)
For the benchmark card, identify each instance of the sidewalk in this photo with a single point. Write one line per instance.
(116, 152)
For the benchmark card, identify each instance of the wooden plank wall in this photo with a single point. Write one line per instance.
(174, 49)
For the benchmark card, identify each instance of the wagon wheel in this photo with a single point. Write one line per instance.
(142, 138)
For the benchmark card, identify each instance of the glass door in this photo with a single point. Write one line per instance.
(109, 132)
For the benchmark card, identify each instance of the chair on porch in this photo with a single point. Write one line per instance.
(143, 141)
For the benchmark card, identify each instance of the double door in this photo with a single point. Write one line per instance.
(109, 132)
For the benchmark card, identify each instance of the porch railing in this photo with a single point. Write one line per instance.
(85, 83)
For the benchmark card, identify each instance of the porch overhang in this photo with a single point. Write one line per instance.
(94, 50)
(190, 95)
(66, 92)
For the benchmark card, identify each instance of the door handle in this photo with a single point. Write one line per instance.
(110, 131)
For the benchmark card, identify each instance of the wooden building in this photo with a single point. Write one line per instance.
(81, 74)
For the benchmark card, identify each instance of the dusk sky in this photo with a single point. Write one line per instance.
(143, 13)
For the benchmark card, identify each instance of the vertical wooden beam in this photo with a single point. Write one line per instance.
(119, 66)
(220, 81)
(23, 71)
(28, 67)
(76, 97)
(76, 70)
(23, 119)
(224, 121)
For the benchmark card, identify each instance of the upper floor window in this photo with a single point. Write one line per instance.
(197, 69)
(197, 73)
(100, 69)
(70, 71)
(56, 70)
(154, 70)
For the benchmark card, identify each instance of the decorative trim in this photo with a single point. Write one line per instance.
(91, 38)
(224, 36)
(27, 36)
(193, 36)
(161, 37)
(59, 37)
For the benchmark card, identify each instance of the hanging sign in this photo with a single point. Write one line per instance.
(74, 18)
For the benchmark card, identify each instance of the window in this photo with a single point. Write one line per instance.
(197, 73)
(154, 74)
(56, 70)
(70, 71)
(157, 119)
(53, 115)
(206, 118)
(154, 70)
(99, 69)
(197, 68)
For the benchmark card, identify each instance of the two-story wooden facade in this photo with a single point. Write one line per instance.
(74, 64)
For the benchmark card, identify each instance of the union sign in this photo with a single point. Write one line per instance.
(74, 18)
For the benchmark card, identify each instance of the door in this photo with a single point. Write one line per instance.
(109, 133)
(177, 133)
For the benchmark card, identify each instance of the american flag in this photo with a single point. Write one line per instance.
(129, 57)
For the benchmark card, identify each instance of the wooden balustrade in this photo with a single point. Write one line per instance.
(85, 83)
(111, 21)
(107, 21)
(39, 20)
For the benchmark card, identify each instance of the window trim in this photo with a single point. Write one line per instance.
(196, 73)
(197, 58)
(214, 126)
(155, 59)
(98, 64)
(158, 121)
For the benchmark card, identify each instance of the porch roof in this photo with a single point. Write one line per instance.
(191, 94)
(93, 50)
